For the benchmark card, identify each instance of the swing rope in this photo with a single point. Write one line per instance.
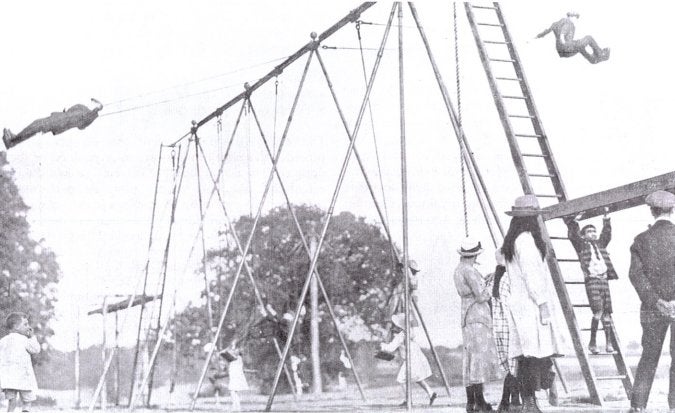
(377, 152)
(459, 120)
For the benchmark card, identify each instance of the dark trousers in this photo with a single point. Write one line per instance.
(653, 335)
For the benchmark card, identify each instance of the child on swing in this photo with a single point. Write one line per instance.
(235, 370)
(16, 368)
(419, 366)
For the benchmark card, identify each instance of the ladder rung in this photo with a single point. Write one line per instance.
(568, 259)
(494, 42)
(563, 238)
(619, 377)
(534, 155)
(502, 60)
(541, 175)
(514, 79)
(581, 305)
(527, 135)
(575, 282)
(483, 7)
(513, 97)
(599, 329)
(522, 116)
(546, 196)
(490, 24)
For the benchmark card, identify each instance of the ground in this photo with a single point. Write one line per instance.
(384, 399)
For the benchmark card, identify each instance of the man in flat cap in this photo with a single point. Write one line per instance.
(652, 273)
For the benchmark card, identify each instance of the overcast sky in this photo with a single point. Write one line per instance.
(156, 66)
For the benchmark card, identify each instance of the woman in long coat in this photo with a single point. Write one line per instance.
(534, 338)
(479, 355)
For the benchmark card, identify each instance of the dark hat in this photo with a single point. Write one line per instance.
(586, 227)
(525, 206)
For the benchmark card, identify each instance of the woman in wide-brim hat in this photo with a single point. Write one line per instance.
(534, 338)
(480, 363)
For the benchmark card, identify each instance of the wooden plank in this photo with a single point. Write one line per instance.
(616, 199)
(122, 305)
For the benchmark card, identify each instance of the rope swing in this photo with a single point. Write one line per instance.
(459, 119)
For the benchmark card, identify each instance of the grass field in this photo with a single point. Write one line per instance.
(387, 398)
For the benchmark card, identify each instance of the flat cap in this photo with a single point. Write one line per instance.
(660, 199)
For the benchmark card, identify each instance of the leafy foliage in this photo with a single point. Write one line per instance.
(355, 267)
(28, 269)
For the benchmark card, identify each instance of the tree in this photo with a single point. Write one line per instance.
(356, 268)
(28, 269)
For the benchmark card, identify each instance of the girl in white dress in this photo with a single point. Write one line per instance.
(419, 366)
(237, 381)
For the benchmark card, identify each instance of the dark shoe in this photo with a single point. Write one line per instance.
(530, 405)
(503, 407)
(7, 137)
(593, 348)
(432, 398)
(636, 410)
(471, 408)
(404, 404)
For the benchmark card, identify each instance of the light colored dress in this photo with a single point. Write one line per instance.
(236, 372)
(480, 362)
(16, 367)
(531, 285)
(419, 365)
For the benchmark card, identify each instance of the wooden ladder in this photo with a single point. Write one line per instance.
(537, 171)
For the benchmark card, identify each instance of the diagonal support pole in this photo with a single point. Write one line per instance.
(250, 238)
(330, 211)
(249, 272)
(380, 213)
(324, 292)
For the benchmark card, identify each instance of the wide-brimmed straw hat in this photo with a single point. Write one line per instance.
(525, 206)
(470, 247)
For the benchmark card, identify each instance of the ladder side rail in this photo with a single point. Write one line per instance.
(529, 101)
(516, 155)
(621, 365)
(570, 317)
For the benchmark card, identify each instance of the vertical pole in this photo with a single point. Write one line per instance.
(404, 205)
(207, 290)
(314, 325)
(104, 390)
(117, 360)
(78, 394)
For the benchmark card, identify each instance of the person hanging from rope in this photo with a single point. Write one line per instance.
(77, 116)
(598, 269)
(568, 46)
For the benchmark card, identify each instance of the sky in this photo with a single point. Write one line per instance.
(158, 66)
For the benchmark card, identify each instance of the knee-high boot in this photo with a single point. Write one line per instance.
(481, 404)
(470, 399)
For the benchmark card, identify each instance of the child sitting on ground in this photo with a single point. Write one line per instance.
(419, 366)
(16, 368)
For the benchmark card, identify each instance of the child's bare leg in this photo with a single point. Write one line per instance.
(423, 384)
(11, 402)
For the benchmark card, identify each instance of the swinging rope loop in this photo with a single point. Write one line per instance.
(459, 119)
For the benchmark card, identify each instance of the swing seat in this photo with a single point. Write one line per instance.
(384, 355)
